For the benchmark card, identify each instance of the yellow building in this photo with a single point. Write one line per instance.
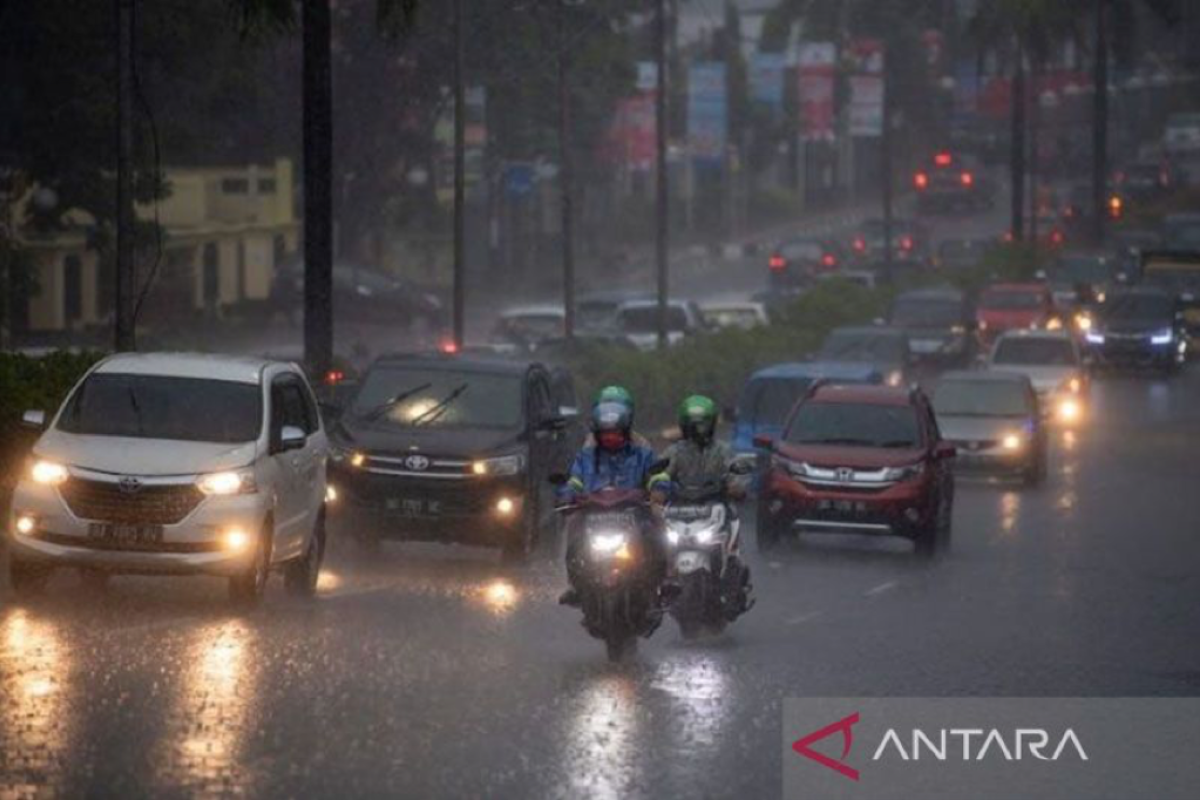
(225, 230)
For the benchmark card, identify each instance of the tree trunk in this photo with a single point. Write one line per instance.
(318, 187)
(1100, 128)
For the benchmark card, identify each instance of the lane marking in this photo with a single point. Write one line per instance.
(881, 588)
(804, 617)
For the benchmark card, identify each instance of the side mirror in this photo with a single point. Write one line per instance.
(944, 450)
(557, 479)
(744, 464)
(764, 441)
(291, 438)
(34, 419)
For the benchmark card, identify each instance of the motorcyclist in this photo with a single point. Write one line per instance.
(613, 460)
(697, 460)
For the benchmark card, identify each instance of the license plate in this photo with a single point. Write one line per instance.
(125, 534)
(413, 507)
(843, 506)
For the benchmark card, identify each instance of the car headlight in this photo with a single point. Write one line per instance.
(1163, 337)
(504, 465)
(48, 473)
(672, 537)
(1072, 386)
(903, 473)
(895, 378)
(1054, 324)
(222, 484)
(1069, 409)
(1094, 338)
(1012, 441)
(705, 536)
(983, 325)
(796, 469)
(1083, 322)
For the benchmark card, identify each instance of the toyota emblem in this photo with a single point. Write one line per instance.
(845, 474)
(129, 485)
(417, 463)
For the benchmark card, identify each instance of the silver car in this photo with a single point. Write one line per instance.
(992, 419)
(1054, 365)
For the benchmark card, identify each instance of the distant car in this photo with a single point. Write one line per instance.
(952, 181)
(1182, 134)
(596, 312)
(910, 242)
(938, 323)
(1143, 181)
(1054, 365)
(1181, 232)
(362, 293)
(955, 254)
(1012, 306)
(1139, 327)
(797, 261)
(859, 460)
(177, 464)
(744, 315)
(769, 395)
(992, 419)
(453, 449)
(528, 326)
(638, 321)
(1177, 272)
(1079, 279)
(886, 349)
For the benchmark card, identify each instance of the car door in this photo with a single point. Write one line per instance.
(287, 410)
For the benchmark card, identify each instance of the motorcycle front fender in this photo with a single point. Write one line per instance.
(688, 561)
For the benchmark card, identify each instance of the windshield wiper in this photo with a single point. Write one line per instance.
(434, 413)
(378, 411)
(137, 410)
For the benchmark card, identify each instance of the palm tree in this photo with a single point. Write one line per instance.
(317, 99)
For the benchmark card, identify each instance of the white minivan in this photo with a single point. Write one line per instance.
(176, 464)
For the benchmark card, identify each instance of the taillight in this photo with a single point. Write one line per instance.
(829, 260)
(943, 159)
(968, 179)
(906, 243)
(334, 377)
(921, 180)
(1115, 206)
(860, 244)
(777, 263)
(1056, 237)
(449, 347)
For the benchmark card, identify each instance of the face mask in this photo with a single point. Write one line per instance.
(611, 440)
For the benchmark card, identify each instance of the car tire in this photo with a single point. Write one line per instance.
(95, 581)
(934, 537)
(27, 578)
(247, 589)
(300, 575)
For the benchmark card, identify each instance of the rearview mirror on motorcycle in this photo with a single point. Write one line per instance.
(743, 465)
(659, 466)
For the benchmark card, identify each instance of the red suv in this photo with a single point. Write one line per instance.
(859, 459)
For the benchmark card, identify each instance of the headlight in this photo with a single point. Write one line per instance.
(1094, 338)
(1163, 337)
(797, 469)
(895, 378)
(505, 465)
(705, 535)
(903, 473)
(1013, 441)
(983, 324)
(672, 537)
(48, 473)
(1054, 324)
(1083, 322)
(607, 543)
(1072, 385)
(958, 330)
(1069, 410)
(227, 483)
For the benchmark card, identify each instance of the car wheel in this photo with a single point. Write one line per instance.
(95, 581)
(300, 576)
(27, 578)
(935, 535)
(246, 590)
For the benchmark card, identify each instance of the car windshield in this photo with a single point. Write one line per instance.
(912, 312)
(1034, 351)
(855, 424)
(865, 346)
(1011, 300)
(1139, 306)
(644, 319)
(597, 314)
(768, 401)
(1094, 269)
(410, 397)
(956, 398)
(533, 325)
(163, 407)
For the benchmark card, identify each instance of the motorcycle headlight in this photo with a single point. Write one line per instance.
(504, 465)
(903, 473)
(895, 378)
(1094, 338)
(1163, 337)
(607, 543)
(222, 484)
(1083, 322)
(48, 473)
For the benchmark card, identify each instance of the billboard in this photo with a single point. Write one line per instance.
(766, 80)
(815, 85)
(866, 87)
(707, 117)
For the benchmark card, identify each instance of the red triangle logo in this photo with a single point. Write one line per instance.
(804, 746)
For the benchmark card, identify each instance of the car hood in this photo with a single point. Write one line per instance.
(856, 457)
(151, 457)
(970, 429)
(1044, 379)
(465, 442)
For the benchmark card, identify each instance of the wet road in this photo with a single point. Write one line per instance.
(434, 671)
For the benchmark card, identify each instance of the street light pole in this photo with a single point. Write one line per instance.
(661, 210)
(124, 339)
(566, 175)
(1100, 127)
(460, 122)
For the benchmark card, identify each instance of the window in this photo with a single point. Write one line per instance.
(266, 186)
(235, 186)
(288, 407)
(856, 424)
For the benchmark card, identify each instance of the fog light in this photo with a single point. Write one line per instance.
(912, 515)
(479, 468)
(357, 459)
(236, 539)
(505, 506)
(26, 525)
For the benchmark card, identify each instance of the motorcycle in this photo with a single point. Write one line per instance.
(702, 544)
(614, 570)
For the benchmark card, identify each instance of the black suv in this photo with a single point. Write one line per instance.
(453, 449)
(1142, 326)
(938, 323)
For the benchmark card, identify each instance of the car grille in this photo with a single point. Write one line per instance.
(416, 465)
(151, 505)
(86, 543)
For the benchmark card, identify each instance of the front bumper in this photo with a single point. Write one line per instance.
(193, 546)
(900, 509)
(993, 459)
(1139, 354)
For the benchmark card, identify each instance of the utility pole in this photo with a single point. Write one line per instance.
(1035, 121)
(886, 168)
(124, 337)
(661, 209)
(566, 175)
(1017, 156)
(317, 35)
(460, 178)
(1100, 127)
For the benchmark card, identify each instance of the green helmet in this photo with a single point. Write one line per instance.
(615, 394)
(698, 418)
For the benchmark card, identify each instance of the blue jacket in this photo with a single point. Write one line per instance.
(595, 468)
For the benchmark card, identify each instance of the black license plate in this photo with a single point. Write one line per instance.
(843, 507)
(411, 507)
(126, 534)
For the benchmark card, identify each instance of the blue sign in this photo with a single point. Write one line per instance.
(766, 80)
(708, 111)
(519, 179)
